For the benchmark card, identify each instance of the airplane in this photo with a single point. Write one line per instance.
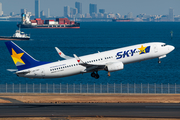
(110, 61)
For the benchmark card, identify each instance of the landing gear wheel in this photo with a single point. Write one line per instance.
(96, 76)
(93, 74)
(159, 61)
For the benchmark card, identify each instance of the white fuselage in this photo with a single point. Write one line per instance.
(125, 55)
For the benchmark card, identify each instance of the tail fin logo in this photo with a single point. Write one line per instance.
(17, 58)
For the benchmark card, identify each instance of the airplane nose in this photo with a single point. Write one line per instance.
(171, 48)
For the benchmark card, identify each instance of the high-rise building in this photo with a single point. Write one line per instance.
(1, 9)
(102, 11)
(37, 8)
(66, 11)
(48, 13)
(73, 11)
(23, 11)
(92, 8)
(171, 14)
(78, 5)
(42, 13)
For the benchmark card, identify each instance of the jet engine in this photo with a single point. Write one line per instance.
(114, 67)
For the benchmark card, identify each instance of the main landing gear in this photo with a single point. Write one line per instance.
(95, 75)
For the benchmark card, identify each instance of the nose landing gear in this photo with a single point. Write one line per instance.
(109, 74)
(95, 75)
(159, 61)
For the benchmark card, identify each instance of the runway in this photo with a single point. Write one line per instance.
(134, 110)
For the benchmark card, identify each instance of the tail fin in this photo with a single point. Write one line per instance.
(21, 59)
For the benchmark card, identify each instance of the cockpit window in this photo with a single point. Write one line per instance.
(163, 45)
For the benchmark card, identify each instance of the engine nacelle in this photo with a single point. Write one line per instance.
(114, 67)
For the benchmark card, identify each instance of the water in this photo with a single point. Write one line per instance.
(91, 38)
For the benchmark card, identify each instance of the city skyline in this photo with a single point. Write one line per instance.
(159, 7)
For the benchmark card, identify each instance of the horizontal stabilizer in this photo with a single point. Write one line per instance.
(23, 72)
(61, 54)
(12, 70)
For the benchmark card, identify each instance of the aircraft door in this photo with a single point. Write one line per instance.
(155, 48)
(42, 72)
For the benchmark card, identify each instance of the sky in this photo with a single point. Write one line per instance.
(150, 7)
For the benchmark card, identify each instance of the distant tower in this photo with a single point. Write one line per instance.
(78, 5)
(1, 9)
(23, 11)
(92, 8)
(48, 12)
(102, 11)
(37, 8)
(66, 11)
(171, 14)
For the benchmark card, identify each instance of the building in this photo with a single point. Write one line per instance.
(73, 11)
(94, 15)
(23, 11)
(171, 14)
(48, 13)
(66, 11)
(78, 5)
(130, 15)
(37, 8)
(42, 14)
(1, 12)
(87, 15)
(92, 9)
(118, 15)
(11, 13)
(100, 15)
(102, 11)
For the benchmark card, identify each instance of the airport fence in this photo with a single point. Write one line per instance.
(91, 88)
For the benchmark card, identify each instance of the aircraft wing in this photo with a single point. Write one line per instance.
(89, 67)
(62, 55)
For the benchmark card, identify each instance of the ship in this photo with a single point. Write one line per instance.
(121, 20)
(17, 36)
(39, 23)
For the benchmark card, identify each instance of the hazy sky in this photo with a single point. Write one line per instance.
(150, 7)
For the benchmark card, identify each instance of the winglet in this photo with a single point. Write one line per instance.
(61, 54)
(78, 59)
